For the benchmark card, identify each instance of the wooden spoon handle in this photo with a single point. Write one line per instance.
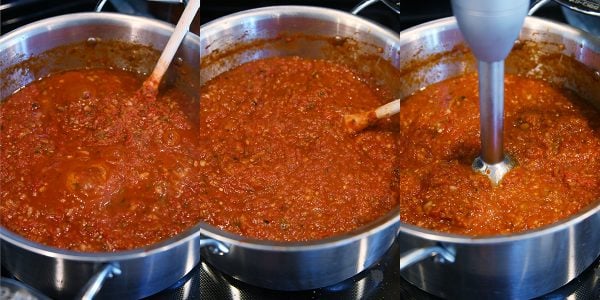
(168, 53)
(357, 122)
(388, 110)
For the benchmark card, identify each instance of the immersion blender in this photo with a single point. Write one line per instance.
(490, 28)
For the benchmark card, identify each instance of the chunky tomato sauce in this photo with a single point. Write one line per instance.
(87, 166)
(280, 163)
(553, 135)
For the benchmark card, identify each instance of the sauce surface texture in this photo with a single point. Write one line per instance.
(85, 165)
(553, 135)
(280, 163)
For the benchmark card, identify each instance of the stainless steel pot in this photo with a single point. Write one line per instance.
(517, 266)
(60, 273)
(315, 33)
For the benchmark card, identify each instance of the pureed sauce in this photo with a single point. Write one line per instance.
(552, 134)
(86, 165)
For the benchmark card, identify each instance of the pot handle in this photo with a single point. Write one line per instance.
(214, 246)
(93, 286)
(440, 253)
(392, 4)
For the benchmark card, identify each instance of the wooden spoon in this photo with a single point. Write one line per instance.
(357, 122)
(149, 88)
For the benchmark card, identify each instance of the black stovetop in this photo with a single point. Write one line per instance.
(378, 282)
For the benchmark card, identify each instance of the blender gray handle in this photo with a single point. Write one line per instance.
(93, 286)
(214, 246)
(440, 253)
(392, 4)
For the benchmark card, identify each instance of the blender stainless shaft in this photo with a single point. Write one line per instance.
(491, 110)
(491, 27)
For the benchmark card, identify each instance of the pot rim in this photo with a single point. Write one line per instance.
(389, 220)
(61, 21)
(277, 11)
(443, 237)
(68, 20)
(582, 38)
(531, 23)
(17, 240)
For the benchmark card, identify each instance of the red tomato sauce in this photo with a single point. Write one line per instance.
(87, 166)
(553, 135)
(280, 163)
